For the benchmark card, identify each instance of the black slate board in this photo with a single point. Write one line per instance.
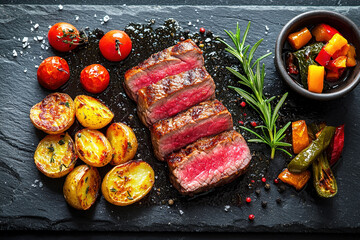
(23, 206)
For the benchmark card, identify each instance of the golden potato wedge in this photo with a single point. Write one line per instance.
(123, 142)
(81, 187)
(54, 114)
(55, 155)
(127, 183)
(92, 113)
(93, 147)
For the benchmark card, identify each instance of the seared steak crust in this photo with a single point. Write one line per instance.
(174, 94)
(173, 60)
(205, 152)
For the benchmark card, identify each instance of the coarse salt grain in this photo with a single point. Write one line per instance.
(60, 7)
(226, 208)
(40, 38)
(106, 18)
(181, 212)
(25, 70)
(36, 26)
(14, 53)
(25, 39)
(76, 18)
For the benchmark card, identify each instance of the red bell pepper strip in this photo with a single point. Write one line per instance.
(342, 52)
(323, 57)
(337, 64)
(336, 146)
(323, 32)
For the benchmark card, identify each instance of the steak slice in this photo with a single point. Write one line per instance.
(205, 119)
(209, 162)
(173, 60)
(174, 94)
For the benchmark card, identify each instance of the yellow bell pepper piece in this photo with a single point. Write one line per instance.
(316, 78)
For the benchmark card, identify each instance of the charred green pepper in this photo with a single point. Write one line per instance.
(324, 180)
(306, 57)
(307, 156)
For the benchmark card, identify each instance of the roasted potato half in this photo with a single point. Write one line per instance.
(93, 147)
(92, 113)
(54, 114)
(55, 155)
(81, 187)
(128, 183)
(123, 142)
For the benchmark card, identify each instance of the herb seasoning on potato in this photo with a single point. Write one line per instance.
(93, 148)
(81, 187)
(127, 183)
(92, 113)
(55, 155)
(54, 114)
(123, 141)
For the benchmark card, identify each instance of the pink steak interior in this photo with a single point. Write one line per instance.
(165, 70)
(205, 169)
(180, 102)
(208, 127)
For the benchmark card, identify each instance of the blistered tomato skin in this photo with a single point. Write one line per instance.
(115, 45)
(53, 72)
(94, 78)
(63, 37)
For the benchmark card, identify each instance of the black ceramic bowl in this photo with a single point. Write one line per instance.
(345, 26)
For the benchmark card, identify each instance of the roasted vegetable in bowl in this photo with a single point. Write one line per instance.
(93, 147)
(54, 114)
(322, 57)
(127, 183)
(55, 155)
(81, 187)
(92, 113)
(123, 142)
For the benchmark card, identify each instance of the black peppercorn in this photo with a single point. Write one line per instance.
(267, 186)
(264, 204)
(257, 191)
(281, 189)
(278, 200)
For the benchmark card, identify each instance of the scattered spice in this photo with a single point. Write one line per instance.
(245, 114)
(257, 191)
(251, 217)
(253, 123)
(267, 186)
(264, 204)
(281, 189)
(276, 180)
(241, 122)
(243, 104)
(182, 38)
(278, 201)
(171, 202)
(263, 180)
(248, 200)
(202, 30)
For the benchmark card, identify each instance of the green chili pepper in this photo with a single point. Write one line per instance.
(324, 180)
(307, 156)
(306, 57)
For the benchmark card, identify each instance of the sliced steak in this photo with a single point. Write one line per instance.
(173, 60)
(174, 94)
(205, 119)
(209, 162)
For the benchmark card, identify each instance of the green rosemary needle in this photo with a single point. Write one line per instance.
(254, 81)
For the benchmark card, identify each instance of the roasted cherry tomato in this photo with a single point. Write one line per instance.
(115, 45)
(94, 78)
(53, 72)
(64, 37)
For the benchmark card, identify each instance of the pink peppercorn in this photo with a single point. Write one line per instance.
(253, 123)
(243, 104)
(202, 30)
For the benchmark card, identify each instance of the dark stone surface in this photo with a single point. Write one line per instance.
(25, 207)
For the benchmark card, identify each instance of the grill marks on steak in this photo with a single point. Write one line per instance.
(174, 94)
(171, 61)
(209, 162)
(205, 119)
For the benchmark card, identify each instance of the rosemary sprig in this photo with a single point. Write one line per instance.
(255, 98)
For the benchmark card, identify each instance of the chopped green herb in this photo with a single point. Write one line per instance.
(51, 148)
(129, 145)
(67, 104)
(113, 190)
(120, 176)
(86, 179)
(52, 159)
(61, 142)
(61, 166)
(87, 190)
(129, 197)
(79, 135)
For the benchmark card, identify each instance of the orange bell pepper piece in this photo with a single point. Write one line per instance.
(300, 137)
(323, 32)
(351, 61)
(299, 39)
(297, 180)
(316, 78)
(337, 64)
(335, 44)
(342, 52)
